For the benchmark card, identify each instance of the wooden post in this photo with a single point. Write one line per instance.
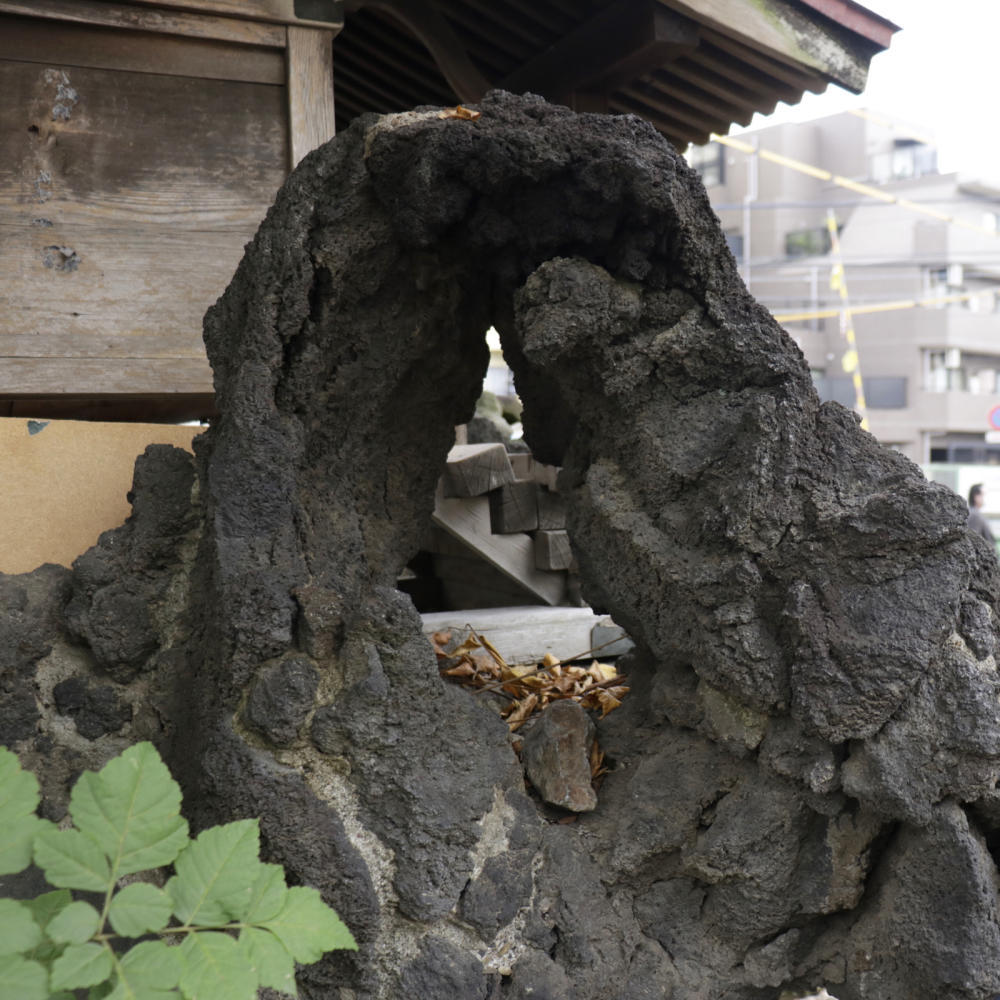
(551, 510)
(552, 550)
(475, 469)
(311, 119)
(514, 507)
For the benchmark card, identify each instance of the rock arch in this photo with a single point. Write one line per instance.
(805, 790)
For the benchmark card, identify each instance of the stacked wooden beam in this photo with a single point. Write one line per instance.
(505, 510)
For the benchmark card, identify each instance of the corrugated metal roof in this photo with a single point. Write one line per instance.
(690, 67)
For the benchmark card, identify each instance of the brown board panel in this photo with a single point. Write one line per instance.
(65, 44)
(92, 464)
(125, 203)
(316, 13)
(78, 291)
(116, 15)
(310, 90)
(104, 376)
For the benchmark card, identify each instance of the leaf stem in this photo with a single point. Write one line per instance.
(181, 929)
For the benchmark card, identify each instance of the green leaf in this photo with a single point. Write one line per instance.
(46, 906)
(216, 873)
(307, 927)
(270, 960)
(215, 968)
(81, 965)
(131, 807)
(17, 837)
(150, 969)
(72, 860)
(139, 908)
(18, 931)
(123, 991)
(18, 823)
(267, 896)
(74, 924)
(18, 789)
(23, 979)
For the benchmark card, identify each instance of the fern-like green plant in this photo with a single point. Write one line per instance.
(223, 926)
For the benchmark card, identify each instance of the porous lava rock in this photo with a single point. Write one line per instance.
(803, 789)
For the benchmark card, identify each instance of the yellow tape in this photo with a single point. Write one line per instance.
(743, 147)
(876, 307)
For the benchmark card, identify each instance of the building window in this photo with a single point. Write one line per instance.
(983, 382)
(807, 242)
(882, 392)
(908, 158)
(960, 371)
(885, 392)
(941, 282)
(709, 162)
(734, 240)
(943, 371)
(978, 453)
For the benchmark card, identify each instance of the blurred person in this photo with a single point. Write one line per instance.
(977, 522)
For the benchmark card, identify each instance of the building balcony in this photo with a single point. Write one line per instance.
(953, 411)
(974, 332)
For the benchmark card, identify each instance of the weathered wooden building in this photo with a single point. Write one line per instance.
(142, 141)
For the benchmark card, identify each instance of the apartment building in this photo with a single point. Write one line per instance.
(923, 281)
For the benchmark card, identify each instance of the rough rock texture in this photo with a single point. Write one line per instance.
(556, 756)
(804, 778)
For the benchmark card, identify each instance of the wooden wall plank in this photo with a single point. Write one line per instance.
(89, 293)
(125, 203)
(311, 118)
(160, 376)
(116, 15)
(38, 41)
(278, 11)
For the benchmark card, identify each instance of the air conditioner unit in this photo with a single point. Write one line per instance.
(953, 358)
(955, 276)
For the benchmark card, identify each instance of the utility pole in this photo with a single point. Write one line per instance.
(748, 199)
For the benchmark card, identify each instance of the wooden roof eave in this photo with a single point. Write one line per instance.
(784, 31)
(614, 46)
(633, 53)
(427, 24)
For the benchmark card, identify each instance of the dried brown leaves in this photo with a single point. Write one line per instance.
(476, 663)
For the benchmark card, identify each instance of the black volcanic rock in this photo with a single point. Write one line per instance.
(805, 770)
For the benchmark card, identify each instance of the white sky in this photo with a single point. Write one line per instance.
(940, 75)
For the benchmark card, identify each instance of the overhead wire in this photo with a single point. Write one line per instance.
(867, 190)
